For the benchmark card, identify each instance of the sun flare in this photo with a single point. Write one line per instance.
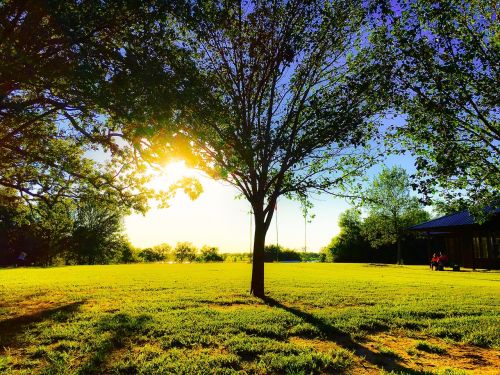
(171, 173)
(177, 170)
(217, 217)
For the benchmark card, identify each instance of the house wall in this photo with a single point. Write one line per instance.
(474, 248)
(457, 249)
(486, 248)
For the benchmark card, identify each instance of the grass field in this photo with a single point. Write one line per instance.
(199, 318)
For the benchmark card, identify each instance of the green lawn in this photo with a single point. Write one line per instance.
(199, 318)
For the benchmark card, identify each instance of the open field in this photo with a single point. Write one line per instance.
(199, 318)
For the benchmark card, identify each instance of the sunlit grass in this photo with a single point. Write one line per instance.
(427, 347)
(192, 318)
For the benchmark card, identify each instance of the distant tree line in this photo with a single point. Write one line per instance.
(363, 240)
(183, 252)
(187, 252)
(90, 231)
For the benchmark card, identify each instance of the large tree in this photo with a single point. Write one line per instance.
(392, 209)
(72, 74)
(446, 79)
(291, 106)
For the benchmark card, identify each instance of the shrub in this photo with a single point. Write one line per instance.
(237, 257)
(210, 254)
(151, 255)
(310, 257)
(273, 253)
(185, 252)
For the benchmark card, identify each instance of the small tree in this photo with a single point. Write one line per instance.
(126, 253)
(185, 252)
(392, 209)
(155, 254)
(349, 245)
(163, 250)
(210, 254)
(97, 235)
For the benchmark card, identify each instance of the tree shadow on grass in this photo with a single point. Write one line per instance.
(388, 363)
(11, 329)
(119, 330)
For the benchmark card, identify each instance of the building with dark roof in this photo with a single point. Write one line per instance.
(465, 241)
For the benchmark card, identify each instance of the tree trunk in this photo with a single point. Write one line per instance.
(257, 286)
(399, 260)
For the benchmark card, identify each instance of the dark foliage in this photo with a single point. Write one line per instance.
(276, 253)
(446, 80)
(357, 242)
(87, 232)
(209, 254)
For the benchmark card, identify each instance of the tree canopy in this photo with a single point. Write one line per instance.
(349, 245)
(291, 105)
(446, 82)
(73, 76)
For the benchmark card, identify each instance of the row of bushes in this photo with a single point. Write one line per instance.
(183, 252)
(187, 252)
(276, 253)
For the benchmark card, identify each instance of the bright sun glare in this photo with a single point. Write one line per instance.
(170, 174)
(177, 169)
(218, 219)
